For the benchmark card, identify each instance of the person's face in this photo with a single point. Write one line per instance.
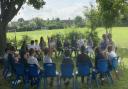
(26, 55)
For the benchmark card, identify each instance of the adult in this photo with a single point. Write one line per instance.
(42, 43)
(59, 46)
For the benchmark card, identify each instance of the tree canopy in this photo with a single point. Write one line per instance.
(110, 10)
(8, 9)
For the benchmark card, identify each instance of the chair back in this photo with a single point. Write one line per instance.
(49, 69)
(114, 63)
(19, 69)
(33, 70)
(67, 70)
(83, 69)
(102, 65)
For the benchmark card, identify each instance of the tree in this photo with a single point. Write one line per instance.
(93, 19)
(8, 9)
(79, 22)
(110, 10)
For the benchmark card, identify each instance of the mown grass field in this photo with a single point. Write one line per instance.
(120, 36)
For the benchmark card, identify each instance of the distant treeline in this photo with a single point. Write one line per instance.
(38, 23)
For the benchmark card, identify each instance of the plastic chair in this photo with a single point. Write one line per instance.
(34, 76)
(114, 65)
(67, 72)
(19, 72)
(103, 69)
(50, 72)
(84, 71)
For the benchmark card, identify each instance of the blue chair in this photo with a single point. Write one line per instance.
(5, 72)
(34, 76)
(19, 72)
(84, 71)
(114, 65)
(103, 69)
(67, 72)
(50, 72)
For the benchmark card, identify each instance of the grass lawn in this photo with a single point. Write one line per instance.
(119, 35)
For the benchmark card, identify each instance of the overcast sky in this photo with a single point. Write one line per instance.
(64, 9)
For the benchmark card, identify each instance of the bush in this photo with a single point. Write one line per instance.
(25, 38)
(94, 36)
(76, 34)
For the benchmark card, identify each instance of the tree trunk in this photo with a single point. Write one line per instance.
(106, 31)
(2, 38)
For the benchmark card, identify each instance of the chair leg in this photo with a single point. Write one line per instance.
(116, 74)
(74, 84)
(109, 78)
(97, 82)
(89, 81)
(45, 83)
(77, 83)
(58, 82)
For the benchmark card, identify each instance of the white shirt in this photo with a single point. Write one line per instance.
(47, 59)
(33, 60)
(31, 46)
(80, 43)
(111, 55)
(37, 47)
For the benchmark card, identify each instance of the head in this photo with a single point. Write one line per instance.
(36, 41)
(12, 49)
(67, 53)
(26, 55)
(7, 50)
(97, 50)
(46, 51)
(110, 36)
(41, 38)
(104, 36)
(109, 48)
(31, 52)
(82, 49)
(32, 42)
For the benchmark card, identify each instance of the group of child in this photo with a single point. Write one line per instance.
(29, 54)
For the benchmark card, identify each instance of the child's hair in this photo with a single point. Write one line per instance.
(31, 51)
(46, 51)
(32, 41)
(82, 49)
(110, 48)
(36, 41)
(67, 53)
(16, 54)
(7, 49)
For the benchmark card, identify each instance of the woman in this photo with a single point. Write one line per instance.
(42, 43)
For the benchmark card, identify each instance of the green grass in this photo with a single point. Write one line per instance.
(119, 35)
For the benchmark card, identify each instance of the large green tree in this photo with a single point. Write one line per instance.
(110, 10)
(93, 19)
(8, 9)
(79, 22)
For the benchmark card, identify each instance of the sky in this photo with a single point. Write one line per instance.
(64, 9)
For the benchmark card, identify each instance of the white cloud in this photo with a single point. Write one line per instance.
(55, 8)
